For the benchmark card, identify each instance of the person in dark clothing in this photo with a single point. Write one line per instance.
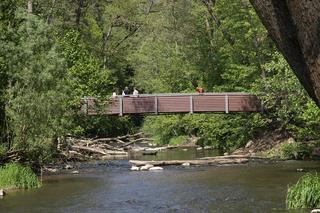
(126, 91)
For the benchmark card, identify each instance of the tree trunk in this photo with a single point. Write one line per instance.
(294, 25)
(30, 6)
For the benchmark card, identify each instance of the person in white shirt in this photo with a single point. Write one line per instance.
(135, 92)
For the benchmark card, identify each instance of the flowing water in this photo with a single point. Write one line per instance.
(111, 187)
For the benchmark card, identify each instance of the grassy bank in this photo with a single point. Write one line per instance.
(16, 176)
(305, 193)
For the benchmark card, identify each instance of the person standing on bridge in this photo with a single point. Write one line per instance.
(200, 90)
(125, 91)
(135, 92)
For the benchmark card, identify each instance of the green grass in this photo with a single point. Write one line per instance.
(178, 140)
(16, 176)
(305, 193)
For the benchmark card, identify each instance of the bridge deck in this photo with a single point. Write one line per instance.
(174, 103)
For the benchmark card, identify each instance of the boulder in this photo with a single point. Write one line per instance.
(199, 148)
(155, 168)
(146, 167)
(2, 193)
(135, 168)
(315, 211)
(186, 164)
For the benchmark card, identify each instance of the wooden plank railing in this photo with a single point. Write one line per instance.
(174, 103)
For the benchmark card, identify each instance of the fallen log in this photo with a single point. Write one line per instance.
(217, 161)
(234, 157)
(88, 149)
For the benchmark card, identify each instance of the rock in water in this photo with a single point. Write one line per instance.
(2, 193)
(155, 168)
(68, 166)
(199, 148)
(315, 211)
(146, 167)
(75, 172)
(299, 170)
(135, 168)
(186, 164)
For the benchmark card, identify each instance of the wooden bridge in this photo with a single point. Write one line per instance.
(173, 103)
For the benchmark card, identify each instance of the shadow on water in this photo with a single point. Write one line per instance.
(111, 187)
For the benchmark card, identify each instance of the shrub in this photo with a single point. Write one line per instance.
(296, 151)
(16, 176)
(305, 193)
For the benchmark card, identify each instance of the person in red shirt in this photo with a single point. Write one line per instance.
(200, 90)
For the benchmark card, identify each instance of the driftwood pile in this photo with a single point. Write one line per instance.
(103, 148)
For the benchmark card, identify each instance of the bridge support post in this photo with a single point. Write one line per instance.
(156, 105)
(191, 104)
(121, 106)
(226, 103)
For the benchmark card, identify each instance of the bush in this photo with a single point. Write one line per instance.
(296, 151)
(16, 176)
(305, 193)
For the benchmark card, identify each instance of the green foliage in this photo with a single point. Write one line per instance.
(223, 132)
(178, 140)
(305, 193)
(37, 90)
(296, 151)
(16, 176)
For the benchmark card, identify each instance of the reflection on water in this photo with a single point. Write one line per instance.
(113, 188)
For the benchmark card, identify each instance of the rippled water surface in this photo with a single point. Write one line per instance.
(113, 188)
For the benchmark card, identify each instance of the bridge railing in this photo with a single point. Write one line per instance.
(174, 103)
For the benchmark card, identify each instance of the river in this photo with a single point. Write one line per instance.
(111, 187)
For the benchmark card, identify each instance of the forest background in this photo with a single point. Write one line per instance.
(53, 53)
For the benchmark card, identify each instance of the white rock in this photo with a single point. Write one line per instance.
(299, 170)
(199, 148)
(53, 170)
(315, 211)
(146, 167)
(135, 168)
(291, 141)
(184, 149)
(75, 172)
(226, 153)
(68, 166)
(186, 164)
(250, 143)
(155, 168)
(207, 147)
(2, 193)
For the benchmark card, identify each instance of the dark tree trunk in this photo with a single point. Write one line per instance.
(80, 4)
(294, 25)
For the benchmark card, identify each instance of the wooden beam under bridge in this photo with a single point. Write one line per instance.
(173, 103)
